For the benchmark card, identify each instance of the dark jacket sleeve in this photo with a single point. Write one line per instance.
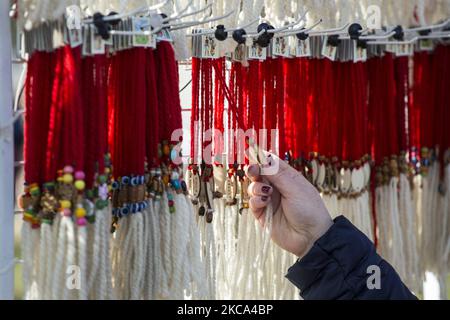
(343, 264)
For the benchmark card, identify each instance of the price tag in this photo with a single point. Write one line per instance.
(210, 48)
(256, 52)
(302, 48)
(280, 47)
(426, 45)
(328, 51)
(142, 24)
(404, 50)
(359, 53)
(97, 44)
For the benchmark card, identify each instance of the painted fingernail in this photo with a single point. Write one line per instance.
(264, 198)
(266, 189)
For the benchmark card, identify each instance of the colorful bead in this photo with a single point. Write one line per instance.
(67, 178)
(35, 191)
(67, 212)
(80, 185)
(68, 169)
(79, 175)
(66, 204)
(102, 179)
(103, 192)
(82, 222)
(176, 184)
(166, 150)
(134, 181)
(91, 219)
(80, 213)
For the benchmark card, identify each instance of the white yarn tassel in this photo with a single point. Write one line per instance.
(166, 245)
(408, 227)
(138, 259)
(82, 264)
(27, 256)
(44, 259)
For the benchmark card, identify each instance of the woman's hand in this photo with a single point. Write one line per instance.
(300, 217)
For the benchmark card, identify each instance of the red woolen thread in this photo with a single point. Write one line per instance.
(88, 87)
(280, 86)
(168, 90)
(290, 101)
(55, 120)
(304, 86)
(195, 117)
(152, 111)
(219, 103)
(415, 99)
(31, 83)
(402, 82)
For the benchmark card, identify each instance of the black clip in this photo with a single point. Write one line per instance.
(334, 40)
(221, 34)
(264, 39)
(399, 34)
(302, 35)
(238, 36)
(104, 27)
(354, 31)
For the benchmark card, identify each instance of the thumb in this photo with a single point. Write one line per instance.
(282, 176)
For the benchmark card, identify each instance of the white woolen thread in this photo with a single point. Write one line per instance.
(160, 274)
(397, 233)
(179, 241)
(165, 217)
(121, 242)
(251, 245)
(238, 263)
(435, 216)
(195, 249)
(58, 272)
(46, 290)
(127, 254)
(70, 254)
(27, 256)
(138, 257)
(185, 212)
(147, 279)
(52, 257)
(95, 257)
(106, 269)
(218, 226)
(142, 247)
(407, 221)
(209, 259)
(35, 240)
(82, 247)
(380, 221)
(174, 252)
(96, 281)
(42, 261)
